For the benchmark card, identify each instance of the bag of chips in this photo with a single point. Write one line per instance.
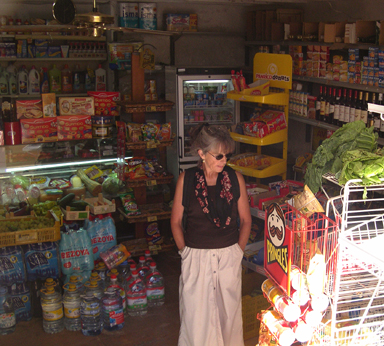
(129, 203)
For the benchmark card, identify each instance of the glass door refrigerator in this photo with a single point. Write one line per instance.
(200, 96)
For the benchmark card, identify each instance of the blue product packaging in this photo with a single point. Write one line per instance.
(41, 261)
(11, 265)
(102, 234)
(21, 298)
(76, 252)
(148, 16)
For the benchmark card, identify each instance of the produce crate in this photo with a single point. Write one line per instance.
(75, 214)
(29, 236)
(99, 205)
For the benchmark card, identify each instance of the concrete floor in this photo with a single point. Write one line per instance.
(159, 327)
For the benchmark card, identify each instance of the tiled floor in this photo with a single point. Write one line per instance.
(160, 327)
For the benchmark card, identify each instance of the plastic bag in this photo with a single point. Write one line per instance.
(103, 235)
(112, 185)
(76, 252)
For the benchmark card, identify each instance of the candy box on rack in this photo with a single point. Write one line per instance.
(105, 102)
(181, 22)
(38, 130)
(74, 127)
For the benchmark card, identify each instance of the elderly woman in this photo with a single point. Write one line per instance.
(217, 223)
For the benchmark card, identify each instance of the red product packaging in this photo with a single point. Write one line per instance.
(38, 130)
(74, 127)
(29, 109)
(105, 102)
(271, 121)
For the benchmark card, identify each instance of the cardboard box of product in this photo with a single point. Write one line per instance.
(74, 127)
(38, 130)
(105, 102)
(29, 109)
(181, 22)
(76, 106)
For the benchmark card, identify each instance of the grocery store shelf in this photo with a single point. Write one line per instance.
(150, 144)
(146, 106)
(277, 167)
(51, 59)
(279, 99)
(149, 213)
(255, 267)
(208, 107)
(260, 214)
(211, 122)
(273, 138)
(39, 95)
(324, 81)
(59, 37)
(149, 181)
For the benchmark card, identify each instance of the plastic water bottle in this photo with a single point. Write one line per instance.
(101, 269)
(76, 280)
(71, 302)
(90, 309)
(142, 268)
(137, 303)
(7, 312)
(124, 271)
(113, 315)
(51, 304)
(93, 287)
(148, 257)
(96, 277)
(154, 283)
(50, 282)
(116, 284)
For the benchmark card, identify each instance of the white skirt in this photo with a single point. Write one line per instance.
(210, 297)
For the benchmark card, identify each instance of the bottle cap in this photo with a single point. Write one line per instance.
(135, 273)
(153, 264)
(141, 259)
(147, 252)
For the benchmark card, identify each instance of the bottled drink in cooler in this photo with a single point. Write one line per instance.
(71, 302)
(154, 283)
(137, 303)
(52, 306)
(7, 312)
(90, 309)
(113, 315)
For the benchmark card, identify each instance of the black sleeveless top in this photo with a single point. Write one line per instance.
(202, 234)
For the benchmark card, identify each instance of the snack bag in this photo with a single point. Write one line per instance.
(135, 168)
(115, 255)
(93, 172)
(134, 133)
(149, 131)
(164, 132)
(152, 234)
(129, 204)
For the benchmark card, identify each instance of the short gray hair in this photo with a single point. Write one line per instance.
(212, 137)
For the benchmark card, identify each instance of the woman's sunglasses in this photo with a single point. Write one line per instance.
(220, 156)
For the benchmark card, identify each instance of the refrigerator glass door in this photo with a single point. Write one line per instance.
(202, 99)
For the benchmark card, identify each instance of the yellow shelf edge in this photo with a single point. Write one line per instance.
(278, 167)
(280, 99)
(273, 138)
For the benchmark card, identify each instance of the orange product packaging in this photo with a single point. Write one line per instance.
(74, 127)
(29, 109)
(105, 102)
(38, 130)
(49, 105)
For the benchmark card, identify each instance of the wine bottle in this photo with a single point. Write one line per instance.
(358, 106)
(342, 108)
(380, 102)
(354, 103)
(332, 101)
(336, 114)
(375, 116)
(318, 103)
(348, 103)
(322, 104)
(327, 104)
(364, 111)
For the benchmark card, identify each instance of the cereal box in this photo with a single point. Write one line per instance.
(74, 127)
(105, 102)
(29, 109)
(38, 130)
(76, 106)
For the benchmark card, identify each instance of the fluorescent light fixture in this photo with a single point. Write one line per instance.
(58, 165)
(207, 81)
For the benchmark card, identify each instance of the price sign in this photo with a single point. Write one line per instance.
(151, 183)
(152, 218)
(150, 108)
(151, 144)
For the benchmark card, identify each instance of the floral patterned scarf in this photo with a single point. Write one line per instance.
(219, 212)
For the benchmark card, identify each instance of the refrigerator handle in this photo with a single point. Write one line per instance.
(181, 148)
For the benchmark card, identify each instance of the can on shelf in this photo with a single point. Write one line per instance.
(101, 126)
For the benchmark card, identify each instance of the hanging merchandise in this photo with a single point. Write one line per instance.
(7, 312)
(66, 80)
(44, 86)
(53, 316)
(90, 309)
(22, 81)
(41, 261)
(102, 232)
(54, 80)
(76, 252)
(71, 302)
(101, 79)
(33, 82)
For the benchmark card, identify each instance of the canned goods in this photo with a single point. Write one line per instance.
(101, 126)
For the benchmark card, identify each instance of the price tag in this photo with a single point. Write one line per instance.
(150, 108)
(152, 218)
(151, 182)
(151, 145)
